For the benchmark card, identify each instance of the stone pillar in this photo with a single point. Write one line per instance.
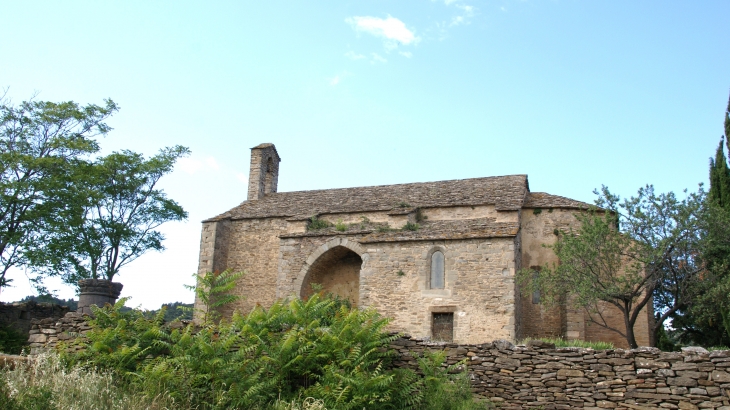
(263, 177)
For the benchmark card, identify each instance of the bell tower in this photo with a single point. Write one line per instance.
(264, 175)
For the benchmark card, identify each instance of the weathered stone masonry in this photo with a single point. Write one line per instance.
(485, 228)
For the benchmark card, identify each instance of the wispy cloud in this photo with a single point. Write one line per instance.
(406, 54)
(377, 58)
(467, 12)
(354, 56)
(339, 77)
(390, 29)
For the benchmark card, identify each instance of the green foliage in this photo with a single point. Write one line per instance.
(401, 273)
(445, 387)
(411, 226)
(41, 146)
(319, 349)
(340, 226)
(707, 320)
(403, 204)
(537, 211)
(46, 383)
(213, 291)
(12, 340)
(316, 224)
(115, 210)
(72, 304)
(561, 342)
(646, 246)
(385, 228)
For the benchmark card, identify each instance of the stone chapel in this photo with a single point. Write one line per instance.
(439, 258)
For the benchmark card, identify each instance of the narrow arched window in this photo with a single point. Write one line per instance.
(437, 270)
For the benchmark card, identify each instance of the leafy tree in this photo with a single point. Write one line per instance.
(40, 145)
(642, 248)
(115, 209)
(708, 320)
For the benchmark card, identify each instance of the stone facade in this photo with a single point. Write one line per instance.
(374, 246)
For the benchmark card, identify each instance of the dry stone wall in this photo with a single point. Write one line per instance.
(20, 315)
(541, 376)
(47, 333)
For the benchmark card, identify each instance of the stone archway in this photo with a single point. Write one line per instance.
(336, 267)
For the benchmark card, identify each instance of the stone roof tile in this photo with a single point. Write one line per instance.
(506, 193)
(545, 200)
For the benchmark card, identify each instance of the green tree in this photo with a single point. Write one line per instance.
(708, 320)
(624, 255)
(115, 209)
(40, 145)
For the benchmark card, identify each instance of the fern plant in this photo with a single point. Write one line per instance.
(213, 291)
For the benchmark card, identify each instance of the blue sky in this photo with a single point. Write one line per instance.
(575, 94)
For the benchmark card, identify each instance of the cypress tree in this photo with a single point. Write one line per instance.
(719, 172)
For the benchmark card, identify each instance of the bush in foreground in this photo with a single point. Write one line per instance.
(319, 353)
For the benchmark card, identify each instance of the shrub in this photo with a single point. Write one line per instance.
(320, 349)
(316, 223)
(411, 226)
(12, 340)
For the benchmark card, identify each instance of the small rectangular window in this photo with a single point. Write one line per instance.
(536, 292)
(443, 327)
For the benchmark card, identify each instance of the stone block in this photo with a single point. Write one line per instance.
(720, 376)
(570, 373)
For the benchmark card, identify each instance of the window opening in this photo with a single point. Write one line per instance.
(437, 270)
(443, 327)
(536, 292)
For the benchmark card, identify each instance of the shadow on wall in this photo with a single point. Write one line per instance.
(338, 272)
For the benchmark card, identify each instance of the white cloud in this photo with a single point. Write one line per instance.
(467, 12)
(391, 30)
(338, 78)
(406, 54)
(376, 58)
(354, 56)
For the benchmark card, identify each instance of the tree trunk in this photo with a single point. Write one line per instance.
(630, 338)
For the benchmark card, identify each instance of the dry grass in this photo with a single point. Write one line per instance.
(45, 382)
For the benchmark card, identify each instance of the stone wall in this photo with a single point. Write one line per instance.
(540, 376)
(19, 315)
(479, 281)
(47, 333)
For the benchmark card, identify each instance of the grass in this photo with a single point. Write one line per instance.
(718, 348)
(316, 224)
(560, 342)
(46, 383)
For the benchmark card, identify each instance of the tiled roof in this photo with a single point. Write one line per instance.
(505, 193)
(544, 200)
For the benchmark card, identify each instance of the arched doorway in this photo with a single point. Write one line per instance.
(338, 272)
